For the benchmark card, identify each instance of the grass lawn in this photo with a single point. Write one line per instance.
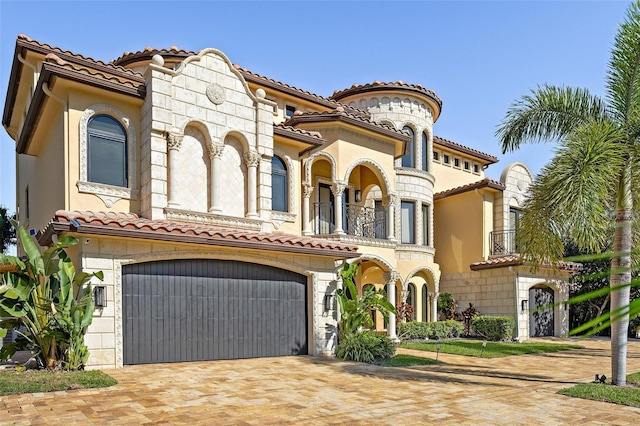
(13, 382)
(408, 360)
(492, 349)
(624, 395)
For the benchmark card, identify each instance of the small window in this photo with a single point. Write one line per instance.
(407, 225)
(26, 202)
(107, 151)
(436, 156)
(445, 158)
(456, 162)
(425, 157)
(279, 178)
(408, 160)
(466, 165)
(476, 168)
(289, 110)
(425, 224)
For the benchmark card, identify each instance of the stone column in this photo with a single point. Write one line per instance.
(338, 189)
(391, 278)
(307, 190)
(434, 306)
(252, 159)
(174, 143)
(215, 155)
(389, 202)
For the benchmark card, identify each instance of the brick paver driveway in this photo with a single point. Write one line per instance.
(308, 390)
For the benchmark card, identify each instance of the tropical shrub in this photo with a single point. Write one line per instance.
(365, 346)
(447, 305)
(405, 312)
(494, 328)
(355, 313)
(47, 303)
(413, 330)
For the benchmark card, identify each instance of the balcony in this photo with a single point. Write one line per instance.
(357, 221)
(503, 242)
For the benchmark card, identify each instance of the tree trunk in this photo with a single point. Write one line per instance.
(620, 280)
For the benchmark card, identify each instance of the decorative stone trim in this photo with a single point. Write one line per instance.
(351, 239)
(174, 141)
(109, 194)
(215, 150)
(408, 171)
(216, 94)
(416, 248)
(212, 219)
(252, 159)
(283, 216)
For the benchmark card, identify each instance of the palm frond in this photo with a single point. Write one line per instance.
(549, 113)
(623, 80)
(573, 196)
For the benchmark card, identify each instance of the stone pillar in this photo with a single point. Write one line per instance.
(389, 202)
(252, 159)
(391, 278)
(338, 189)
(434, 306)
(174, 143)
(215, 155)
(307, 190)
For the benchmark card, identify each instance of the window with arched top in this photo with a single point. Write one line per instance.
(411, 299)
(408, 159)
(279, 185)
(106, 151)
(425, 158)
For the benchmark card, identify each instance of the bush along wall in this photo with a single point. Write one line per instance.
(494, 328)
(414, 330)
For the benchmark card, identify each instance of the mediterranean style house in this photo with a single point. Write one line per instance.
(220, 204)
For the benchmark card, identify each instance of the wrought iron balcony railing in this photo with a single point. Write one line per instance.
(503, 242)
(357, 220)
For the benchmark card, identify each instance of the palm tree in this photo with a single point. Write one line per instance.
(591, 188)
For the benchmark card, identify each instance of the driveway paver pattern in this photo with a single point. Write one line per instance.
(318, 391)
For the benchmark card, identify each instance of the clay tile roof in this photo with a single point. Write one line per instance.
(465, 149)
(314, 138)
(52, 58)
(497, 262)
(484, 183)
(379, 85)
(148, 52)
(515, 260)
(27, 42)
(132, 226)
(347, 114)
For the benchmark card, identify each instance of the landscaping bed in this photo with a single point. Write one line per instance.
(29, 381)
(479, 348)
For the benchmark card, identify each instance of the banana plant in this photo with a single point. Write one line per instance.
(47, 303)
(354, 311)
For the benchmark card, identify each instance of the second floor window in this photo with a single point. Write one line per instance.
(106, 151)
(408, 160)
(279, 178)
(407, 226)
(425, 157)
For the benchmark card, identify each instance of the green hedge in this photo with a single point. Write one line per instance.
(365, 346)
(494, 328)
(429, 330)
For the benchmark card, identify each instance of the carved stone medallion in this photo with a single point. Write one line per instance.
(215, 93)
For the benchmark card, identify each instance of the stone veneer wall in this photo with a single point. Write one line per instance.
(104, 336)
(494, 292)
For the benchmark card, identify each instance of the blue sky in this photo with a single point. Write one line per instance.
(478, 56)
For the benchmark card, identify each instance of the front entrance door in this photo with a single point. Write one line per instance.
(541, 321)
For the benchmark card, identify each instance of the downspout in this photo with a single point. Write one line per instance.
(65, 140)
(515, 288)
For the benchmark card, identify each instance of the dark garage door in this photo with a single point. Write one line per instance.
(193, 310)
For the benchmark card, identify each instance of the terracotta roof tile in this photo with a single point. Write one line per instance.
(340, 111)
(148, 52)
(68, 55)
(300, 134)
(103, 222)
(484, 183)
(379, 85)
(55, 59)
(515, 259)
(465, 149)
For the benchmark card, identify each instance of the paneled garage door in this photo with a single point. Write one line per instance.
(200, 309)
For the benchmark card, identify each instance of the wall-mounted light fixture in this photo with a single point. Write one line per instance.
(358, 195)
(100, 296)
(328, 302)
(525, 304)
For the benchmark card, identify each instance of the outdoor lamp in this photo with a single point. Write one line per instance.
(525, 304)
(100, 296)
(358, 195)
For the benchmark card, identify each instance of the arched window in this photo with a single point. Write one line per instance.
(106, 151)
(425, 158)
(408, 160)
(411, 299)
(279, 183)
(425, 303)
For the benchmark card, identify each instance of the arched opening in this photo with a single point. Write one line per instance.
(363, 209)
(408, 159)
